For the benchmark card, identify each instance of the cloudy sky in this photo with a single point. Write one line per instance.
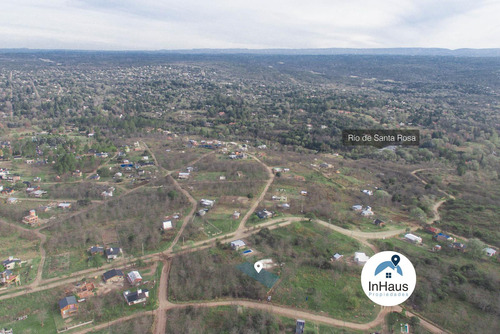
(187, 24)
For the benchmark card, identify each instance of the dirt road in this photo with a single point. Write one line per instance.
(261, 196)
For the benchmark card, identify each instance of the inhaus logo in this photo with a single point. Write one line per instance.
(388, 278)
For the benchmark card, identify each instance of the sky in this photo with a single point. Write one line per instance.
(253, 24)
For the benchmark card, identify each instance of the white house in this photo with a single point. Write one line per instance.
(167, 225)
(360, 258)
(367, 192)
(357, 207)
(64, 205)
(134, 277)
(413, 238)
(237, 244)
(489, 251)
(367, 212)
(207, 202)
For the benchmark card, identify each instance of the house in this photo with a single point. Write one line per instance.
(357, 207)
(284, 206)
(96, 250)
(279, 198)
(443, 237)
(264, 214)
(222, 178)
(112, 253)
(237, 244)
(136, 297)
(303, 193)
(95, 177)
(299, 326)
(134, 277)
(7, 277)
(77, 173)
(489, 251)
(167, 225)
(183, 176)
(102, 155)
(367, 212)
(367, 192)
(107, 194)
(202, 212)
(336, 257)
(360, 258)
(236, 215)
(413, 238)
(85, 290)
(207, 202)
(113, 276)
(8, 190)
(379, 223)
(459, 246)
(68, 306)
(64, 205)
(432, 230)
(31, 219)
(38, 193)
(10, 263)
(436, 248)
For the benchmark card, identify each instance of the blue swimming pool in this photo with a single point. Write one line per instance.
(248, 251)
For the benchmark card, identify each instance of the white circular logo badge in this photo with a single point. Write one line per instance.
(388, 278)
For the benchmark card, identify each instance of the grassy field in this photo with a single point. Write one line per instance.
(236, 319)
(467, 288)
(41, 307)
(141, 325)
(308, 279)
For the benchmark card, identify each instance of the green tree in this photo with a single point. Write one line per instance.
(475, 248)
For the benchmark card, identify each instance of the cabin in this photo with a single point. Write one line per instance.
(183, 176)
(167, 225)
(336, 257)
(207, 203)
(112, 253)
(263, 214)
(136, 297)
(489, 251)
(134, 278)
(31, 219)
(443, 237)
(96, 250)
(360, 258)
(237, 244)
(68, 306)
(413, 238)
(113, 276)
(379, 223)
(64, 205)
(11, 263)
(7, 277)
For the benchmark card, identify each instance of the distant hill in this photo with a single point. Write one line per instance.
(341, 51)
(325, 51)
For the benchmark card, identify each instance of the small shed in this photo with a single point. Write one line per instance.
(489, 251)
(167, 225)
(360, 258)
